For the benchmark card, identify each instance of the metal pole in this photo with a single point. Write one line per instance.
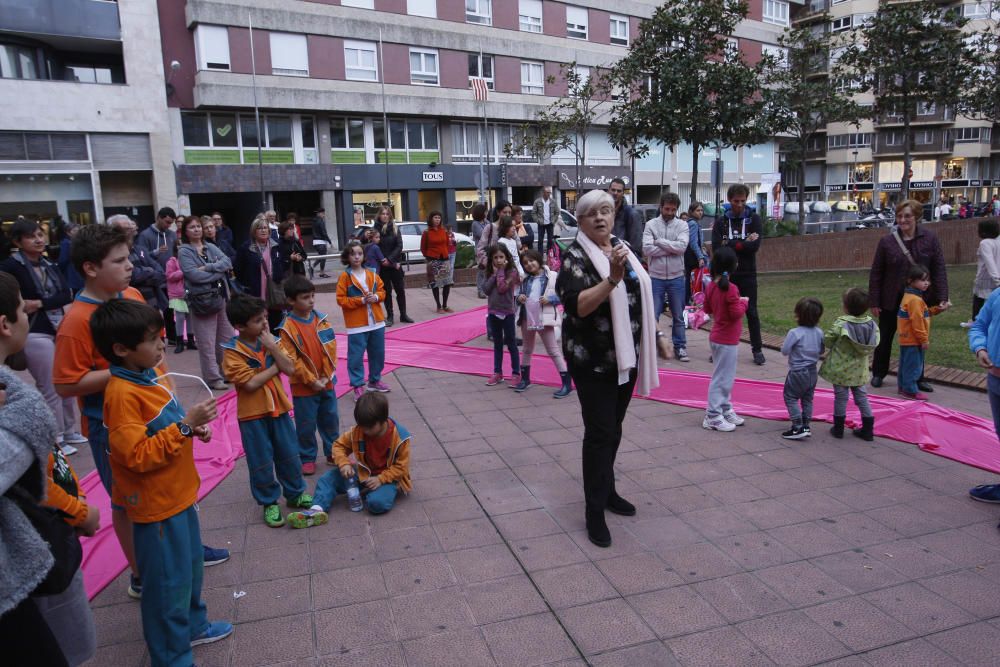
(486, 140)
(256, 114)
(385, 128)
(482, 140)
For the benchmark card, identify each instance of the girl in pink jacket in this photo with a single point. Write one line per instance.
(175, 292)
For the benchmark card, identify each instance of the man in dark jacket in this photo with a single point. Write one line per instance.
(391, 245)
(628, 221)
(147, 275)
(321, 239)
(222, 231)
(740, 229)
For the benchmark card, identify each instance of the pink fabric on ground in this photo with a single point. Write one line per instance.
(454, 329)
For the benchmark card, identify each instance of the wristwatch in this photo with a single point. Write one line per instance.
(613, 283)
(185, 429)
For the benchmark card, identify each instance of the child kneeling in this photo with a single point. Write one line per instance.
(381, 447)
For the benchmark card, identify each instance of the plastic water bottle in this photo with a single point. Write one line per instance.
(354, 494)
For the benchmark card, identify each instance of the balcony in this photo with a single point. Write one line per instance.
(811, 11)
(942, 115)
(941, 141)
(89, 19)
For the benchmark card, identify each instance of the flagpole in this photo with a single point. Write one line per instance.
(385, 129)
(256, 113)
(485, 177)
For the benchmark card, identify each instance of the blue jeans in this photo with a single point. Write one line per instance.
(357, 343)
(911, 367)
(320, 410)
(271, 448)
(171, 562)
(993, 388)
(504, 332)
(673, 290)
(332, 482)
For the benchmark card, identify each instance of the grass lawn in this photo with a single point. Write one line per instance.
(778, 293)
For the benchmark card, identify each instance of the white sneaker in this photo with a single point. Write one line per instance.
(68, 450)
(717, 424)
(75, 438)
(733, 418)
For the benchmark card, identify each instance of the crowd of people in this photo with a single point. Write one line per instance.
(101, 347)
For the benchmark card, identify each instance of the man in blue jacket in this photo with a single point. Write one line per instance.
(156, 243)
(984, 341)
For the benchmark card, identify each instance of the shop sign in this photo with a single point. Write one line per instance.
(975, 183)
(433, 177)
(864, 186)
(889, 186)
(836, 188)
(814, 188)
(567, 180)
(958, 183)
(987, 181)
(921, 185)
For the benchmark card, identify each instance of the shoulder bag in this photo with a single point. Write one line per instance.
(208, 299)
(274, 295)
(60, 536)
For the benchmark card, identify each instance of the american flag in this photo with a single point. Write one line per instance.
(480, 89)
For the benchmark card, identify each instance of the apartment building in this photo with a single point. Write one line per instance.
(951, 155)
(84, 131)
(320, 77)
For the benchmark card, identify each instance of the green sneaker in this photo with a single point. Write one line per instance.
(272, 516)
(307, 519)
(304, 501)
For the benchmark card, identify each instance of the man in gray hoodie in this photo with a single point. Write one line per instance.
(664, 241)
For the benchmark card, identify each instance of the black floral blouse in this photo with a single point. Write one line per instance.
(589, 342)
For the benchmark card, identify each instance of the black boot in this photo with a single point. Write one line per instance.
(180, 346)
(525, 379)
(837, 430)
(619, 505)
(404, 318)
(191, 344)
(597, 529)
(567, 386)
(388, 318)
(867, 430)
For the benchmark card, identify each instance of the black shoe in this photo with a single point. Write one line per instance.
(405, 319)
(618, 505)
(180, 348)
(876, 381)
(191, 344)
(758, 358)
(597, 529)
(388, 321)
(796, 433)
(867, 430)
(837, 430)
(518, 342)
(925, 386)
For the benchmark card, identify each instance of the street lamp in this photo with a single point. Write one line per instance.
(854, 178)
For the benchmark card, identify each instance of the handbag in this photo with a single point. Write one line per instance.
(274, 295)
(59, 535)
(207, 302)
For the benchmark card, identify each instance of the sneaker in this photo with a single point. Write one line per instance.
(74, 438)
(966, 325)
(272, 516)
(358, 392)
(717, 424)
(681, 354)
(795, 433)
(515, 379)
(986, 493)
(494, 380)
(925, 387)
(912, 397)
(309, 468)
(307, 518)
(219, 386)
(807, 430)
(215, 631)
(68, 450)
(303, 500)
(733, 418)
(758, 358)
(214, 556)
(379, 386)
(134, 587)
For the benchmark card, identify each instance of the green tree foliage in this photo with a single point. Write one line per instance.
(683, 82)
(909, 53)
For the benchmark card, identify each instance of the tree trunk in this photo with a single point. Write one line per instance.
(905, 187)
(694, 173)
(802, 190)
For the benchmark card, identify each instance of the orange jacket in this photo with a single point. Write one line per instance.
(151, 462)
(397, 467)
(64, 494)
(308, 370)
(350, 298)
(914, 319)
(434, 243)
(240, 362)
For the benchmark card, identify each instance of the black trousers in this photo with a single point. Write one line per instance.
(977, 305)
(543, 231)
(169, 324)
(748, 288)
(392, 279)
(26, 638)
(603, 403)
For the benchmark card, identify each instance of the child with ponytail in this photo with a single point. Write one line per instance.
(724, 303)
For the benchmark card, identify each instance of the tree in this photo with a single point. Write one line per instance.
(565, 124)
(683, 81)
(802, 102)
(984, 98)
(908, 54)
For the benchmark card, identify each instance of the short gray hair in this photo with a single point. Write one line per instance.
(118, 218)
(592, 201)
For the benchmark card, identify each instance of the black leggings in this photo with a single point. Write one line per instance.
(393, 279)
(437, 296)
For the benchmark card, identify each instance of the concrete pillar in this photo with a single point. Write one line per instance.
(449, 205)
(345, 219)
(411, 205)
(328, 200)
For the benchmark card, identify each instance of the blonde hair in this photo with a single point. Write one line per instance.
(915, 207)
(592, 201)
(258, 222)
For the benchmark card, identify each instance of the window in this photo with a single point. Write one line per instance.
(89, 74)
(289, 54)
(479, 11)
(277, 131)
(223, 129)
(347, 133)
(532, 78)
(426, 8)
(924, 137)
(732, 46)
(424, 67)
(465, 139)
(362, 4)
(776, 11)
(582, 76)
(859, 140)
(481, 67)
(308, 132)
(360, 61)
(836, 141)
(421, 135)
(841, 24)
(779, 53)
(976, 10)
(397, 134)
(530, 15)
(576, 22)
(893, 139)
(970, 134)
(43, 146)
(18, 62)
(194, 127)
(619, 30)
(211, 46)
(861, 20)
(926, 108)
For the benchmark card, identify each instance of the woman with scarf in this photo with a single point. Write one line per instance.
(609, 341)
(257, 263)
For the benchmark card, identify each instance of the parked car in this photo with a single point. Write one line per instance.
(411, 233)
(567, 219)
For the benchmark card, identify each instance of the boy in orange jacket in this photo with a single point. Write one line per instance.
(307, 337)
(360, 294)
(152, 464)
(914, 326)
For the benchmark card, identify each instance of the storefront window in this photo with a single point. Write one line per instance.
(369, 203)
(465, 200)
(954, 169)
